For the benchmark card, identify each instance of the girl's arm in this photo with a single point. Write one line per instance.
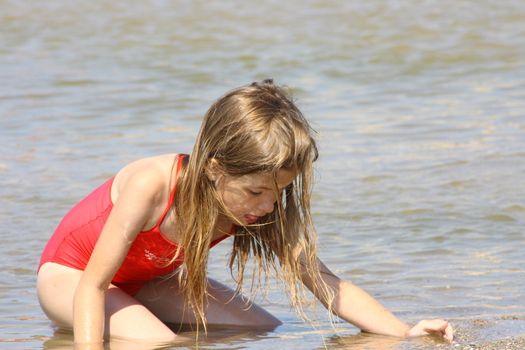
(131, 211)
(356, 306)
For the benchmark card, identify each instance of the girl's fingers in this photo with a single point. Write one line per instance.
(441, 328)
(434, 326)
(449, 334)
(437, 327)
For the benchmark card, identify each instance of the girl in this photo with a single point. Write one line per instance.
(132, 255)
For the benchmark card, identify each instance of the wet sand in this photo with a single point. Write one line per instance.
(504, 333)
(514, 343)
(506, 344)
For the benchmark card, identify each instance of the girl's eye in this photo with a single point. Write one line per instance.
(254, 193)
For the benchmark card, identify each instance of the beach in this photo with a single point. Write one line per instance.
(419, 112)
(471, 338)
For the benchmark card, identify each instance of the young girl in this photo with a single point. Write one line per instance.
(132, 255)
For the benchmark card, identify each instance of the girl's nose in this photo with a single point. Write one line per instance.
(267, 204)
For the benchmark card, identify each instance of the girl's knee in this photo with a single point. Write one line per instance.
(272, 321)
(259, 318)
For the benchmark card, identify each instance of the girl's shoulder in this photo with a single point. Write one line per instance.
(157, 173)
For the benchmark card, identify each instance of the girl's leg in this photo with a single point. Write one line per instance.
(225, 308)
(125, 317)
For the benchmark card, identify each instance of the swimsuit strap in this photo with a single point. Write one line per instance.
(180, 157)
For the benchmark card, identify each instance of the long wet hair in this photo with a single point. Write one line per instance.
(252, 129)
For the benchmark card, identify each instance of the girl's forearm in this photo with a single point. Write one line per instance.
(356, 306)
(88, 315)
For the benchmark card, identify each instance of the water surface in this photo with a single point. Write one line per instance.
(419, 106)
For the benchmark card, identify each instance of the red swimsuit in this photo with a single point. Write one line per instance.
(75, 237)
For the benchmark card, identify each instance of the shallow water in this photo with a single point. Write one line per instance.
(419, 106)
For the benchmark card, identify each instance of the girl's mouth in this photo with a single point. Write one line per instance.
(250, 219)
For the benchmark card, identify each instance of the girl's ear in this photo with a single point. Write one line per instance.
(212, 170)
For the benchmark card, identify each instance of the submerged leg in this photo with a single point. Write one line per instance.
(125, 317)
(225, 308)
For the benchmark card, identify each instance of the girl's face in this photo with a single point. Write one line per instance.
(250, 197)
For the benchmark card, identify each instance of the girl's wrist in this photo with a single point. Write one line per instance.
(407, 330)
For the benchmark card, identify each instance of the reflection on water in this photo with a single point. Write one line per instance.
(63, 339)
(419, 195)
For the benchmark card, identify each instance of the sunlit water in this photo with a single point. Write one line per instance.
(420, 109)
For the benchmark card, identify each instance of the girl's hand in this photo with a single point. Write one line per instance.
(439, 328)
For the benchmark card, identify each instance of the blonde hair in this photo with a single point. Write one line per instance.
(252, 129)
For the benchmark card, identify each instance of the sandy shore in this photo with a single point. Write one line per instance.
(515, 343)
(468, 335)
